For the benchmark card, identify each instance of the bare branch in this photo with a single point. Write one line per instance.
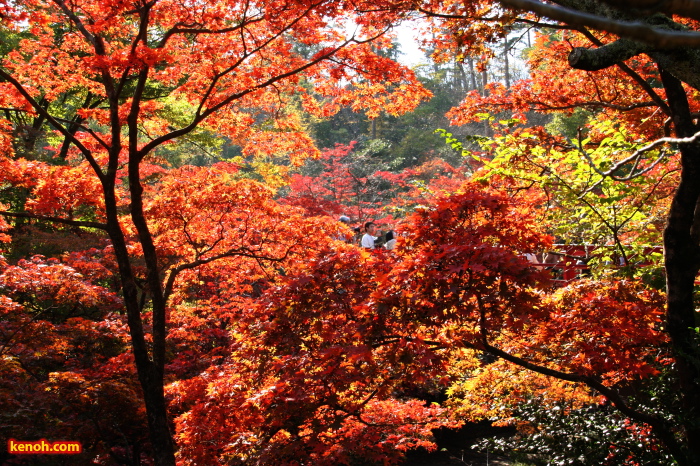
(635, 158)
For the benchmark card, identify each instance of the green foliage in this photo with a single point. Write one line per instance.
(465, 150)
(409, 139)
(562, 436)
(9, 40)
(568, 125)
(583, 205)
(200, 147)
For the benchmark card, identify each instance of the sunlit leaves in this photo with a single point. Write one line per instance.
(584, 203)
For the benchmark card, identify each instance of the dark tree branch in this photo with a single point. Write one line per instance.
(658, 425)
(633, 74)
(683, 63)
(237, 252)
(65, 221)
(76, 20)
(687, 8)
(62, 129)
(605, 56)
(647, 33)
(196, 121)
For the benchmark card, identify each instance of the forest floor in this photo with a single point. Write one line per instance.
(455, 447)
(445, 458)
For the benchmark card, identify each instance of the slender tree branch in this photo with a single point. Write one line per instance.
(659, 426)
(237, 252)
(78, 23)
(211, 110)
(633, 74)
(634, 158)
(65, 221)
(62, 129)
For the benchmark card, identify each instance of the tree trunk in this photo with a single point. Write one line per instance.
(484, 92)
(682, 263)
(463, 82)
(506, 65)
(159, 428)
(150, 372)
(472, 75)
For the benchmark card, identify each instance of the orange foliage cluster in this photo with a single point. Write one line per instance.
(280, 344)
(555, 87)
(286, 349)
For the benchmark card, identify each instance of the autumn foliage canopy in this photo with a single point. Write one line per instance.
(161, 310)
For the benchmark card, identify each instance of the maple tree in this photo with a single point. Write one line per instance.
(119, 68)
(63, 360)
(614, 222)
(458, 286)
(625, 63)
(461, 277)
(343, 182)
(273, 346)
(304, 382)
(323, 356)
(344, 186)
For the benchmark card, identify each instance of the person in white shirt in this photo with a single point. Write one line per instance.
(368, 238)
